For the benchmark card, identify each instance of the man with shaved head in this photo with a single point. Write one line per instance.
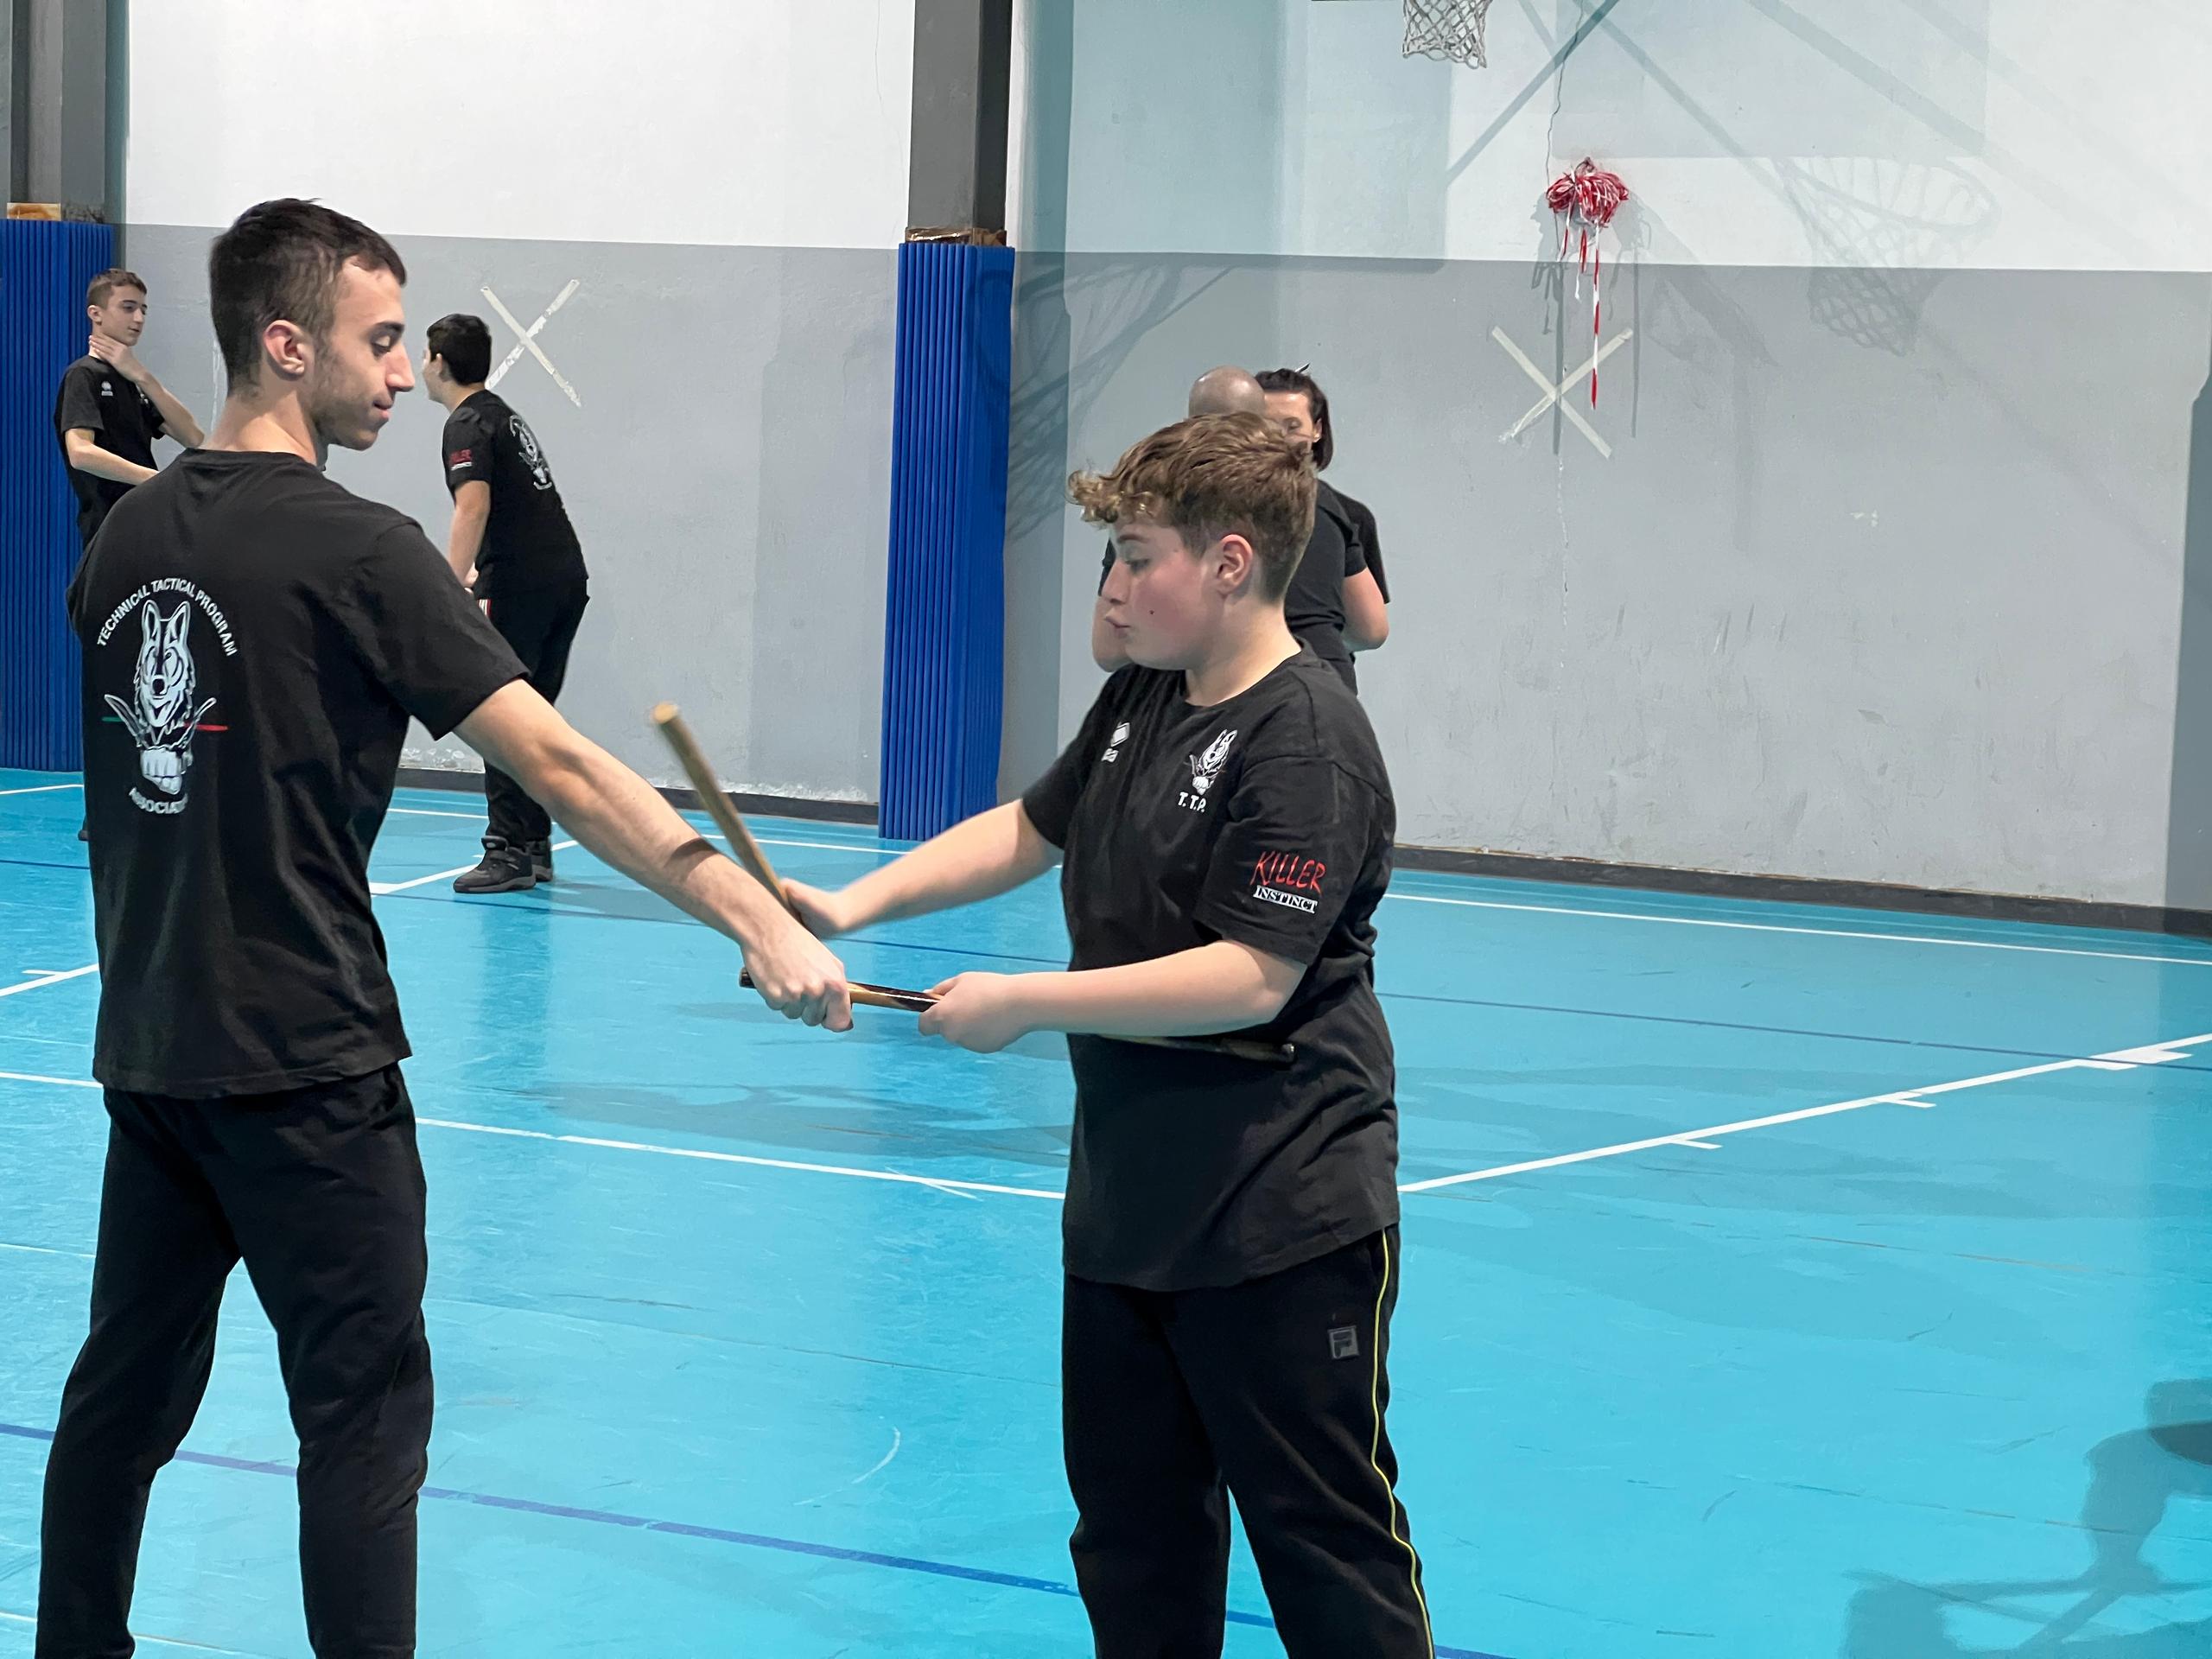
(1228, 391)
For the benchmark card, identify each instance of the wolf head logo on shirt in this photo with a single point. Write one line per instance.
(1205, 768)
(161, 715)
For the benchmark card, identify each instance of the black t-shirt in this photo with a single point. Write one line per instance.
(1266, 820)
(529, 545)
(1370, 541)
(1313, 605)
(123, 421)
(255, 638)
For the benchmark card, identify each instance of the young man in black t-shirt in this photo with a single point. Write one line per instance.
(512, 543)
(110, 407)
(1231, 1227)
(1226, 390)
(1314, 606)
(255, 640)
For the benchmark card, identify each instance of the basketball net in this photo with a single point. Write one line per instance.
(1447, 28)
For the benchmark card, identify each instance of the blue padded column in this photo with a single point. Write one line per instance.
(944, 615)
(45, 267)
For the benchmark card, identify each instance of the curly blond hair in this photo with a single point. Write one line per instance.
(1213, 476)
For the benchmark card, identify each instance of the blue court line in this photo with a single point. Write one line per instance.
(969, 953)
(711, 1535)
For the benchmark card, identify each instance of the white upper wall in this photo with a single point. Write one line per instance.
(753, 123)
(2007, 134)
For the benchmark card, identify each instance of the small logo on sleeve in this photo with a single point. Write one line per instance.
(1343, 1342)
(459, 459)
(1290, 880)
(1114, 743)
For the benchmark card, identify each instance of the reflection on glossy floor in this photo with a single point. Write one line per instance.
(1780, 1282)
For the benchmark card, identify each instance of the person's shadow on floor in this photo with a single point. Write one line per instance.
(2135, 1478)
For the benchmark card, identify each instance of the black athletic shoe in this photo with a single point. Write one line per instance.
(541, 860)
(504, 869)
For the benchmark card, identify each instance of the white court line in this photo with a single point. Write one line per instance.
(382, 887)
(157, 1641)
(49, 979)
(1811, 933)
(1541, 909)
(766, 841)
(826, 846)
(941, 1184)
(1430, 899)
(41, 789)
(2127, 1060)
(2123, 1060)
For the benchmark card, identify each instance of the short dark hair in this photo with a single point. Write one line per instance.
(107, 282)
(1325, 447)
(1209, 476)
(465, 343)
(281, 260)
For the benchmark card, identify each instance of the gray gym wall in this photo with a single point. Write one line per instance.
(1883, 581)
(728, 471)
(1827, 611)
(1907, 611)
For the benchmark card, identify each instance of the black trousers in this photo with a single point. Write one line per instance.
(540, 626)
(1275, 1391)
(320, 1192)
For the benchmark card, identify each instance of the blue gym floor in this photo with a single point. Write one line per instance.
(745, 1335)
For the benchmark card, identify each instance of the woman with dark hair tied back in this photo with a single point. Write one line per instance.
(1337, 603)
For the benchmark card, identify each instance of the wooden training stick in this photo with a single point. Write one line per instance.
(748, 851)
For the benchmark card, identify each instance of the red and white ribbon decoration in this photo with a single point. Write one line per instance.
(1585, 201)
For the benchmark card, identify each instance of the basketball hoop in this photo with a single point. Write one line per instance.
(1451, 29)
